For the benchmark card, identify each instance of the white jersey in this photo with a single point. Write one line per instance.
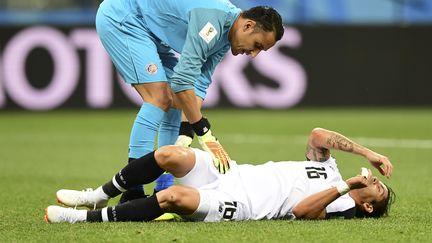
(266, 191)
(271, 190)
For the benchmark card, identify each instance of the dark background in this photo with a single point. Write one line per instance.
(355, 65)
(355, 53)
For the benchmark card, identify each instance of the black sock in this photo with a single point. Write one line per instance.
(140, 171)
(94, 215)
(131, 159)
(143, 209)
(139, 189)
(186, 129)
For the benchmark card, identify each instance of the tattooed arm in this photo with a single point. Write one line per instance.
(321, 141)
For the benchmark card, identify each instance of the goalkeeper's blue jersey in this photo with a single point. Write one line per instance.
(198, 29)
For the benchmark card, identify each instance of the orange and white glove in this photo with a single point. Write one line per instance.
(221, 160)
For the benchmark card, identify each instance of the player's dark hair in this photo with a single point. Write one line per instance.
(267, 19)
(380, 209)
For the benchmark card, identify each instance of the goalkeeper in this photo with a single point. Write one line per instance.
(142, 39)
(312, 189)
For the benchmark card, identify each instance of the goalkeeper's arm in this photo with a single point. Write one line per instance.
(210, 144)
(201, 126)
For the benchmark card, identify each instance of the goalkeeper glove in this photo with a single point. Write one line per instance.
(184, 141)
(221, 160)
(210, 144)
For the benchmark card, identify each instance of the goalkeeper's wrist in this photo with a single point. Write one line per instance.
(186, 129)
(343, 188)
(201, 127)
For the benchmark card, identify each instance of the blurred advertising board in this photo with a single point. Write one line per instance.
(45, 68)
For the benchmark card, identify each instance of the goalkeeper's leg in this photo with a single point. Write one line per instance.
(168, 132)
(142, 141)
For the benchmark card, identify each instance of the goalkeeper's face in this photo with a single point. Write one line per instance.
(251, 40)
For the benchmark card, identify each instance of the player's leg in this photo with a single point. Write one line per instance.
(134, 53)
(194, 167)
(178, 160)
(183, 162)
(175, 159)
(191, 203)
(202, 173)
(157, 100)
(210, 205)
(167, 135)
(170, 125)
(176, 199)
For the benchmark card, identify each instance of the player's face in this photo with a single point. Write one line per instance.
(375, 192)
(250, 42)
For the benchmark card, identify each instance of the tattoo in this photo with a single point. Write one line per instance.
(315, 154)
(339, 142)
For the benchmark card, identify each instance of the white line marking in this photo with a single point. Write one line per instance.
(242, 138)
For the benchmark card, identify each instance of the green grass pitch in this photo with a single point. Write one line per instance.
(43, 152)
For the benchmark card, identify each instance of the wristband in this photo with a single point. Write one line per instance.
(201, 127)
(343, 188)
(186, 129)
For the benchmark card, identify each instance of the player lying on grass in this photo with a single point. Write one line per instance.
(312, 189)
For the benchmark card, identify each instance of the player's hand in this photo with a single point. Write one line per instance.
(184, 141)
(360, 181)
(220, 157)
(381, 163)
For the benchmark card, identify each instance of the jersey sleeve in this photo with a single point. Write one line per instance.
(209, 66)
(204, 31)
(343, 207)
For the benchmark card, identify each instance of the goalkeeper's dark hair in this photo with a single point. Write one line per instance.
(267, 19)
(380, 209)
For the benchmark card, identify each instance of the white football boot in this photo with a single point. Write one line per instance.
(89, 198)
(57, 214)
